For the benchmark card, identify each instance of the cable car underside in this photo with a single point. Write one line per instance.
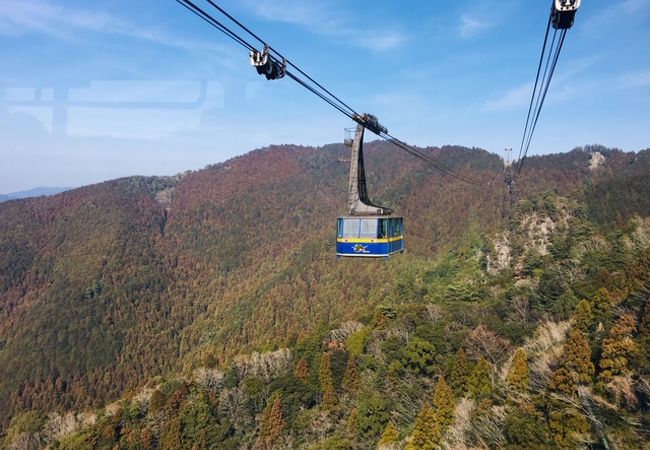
(369, 230)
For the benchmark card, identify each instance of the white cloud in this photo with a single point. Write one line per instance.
(471, 26)
(515, 97)
(634, 80)
(18, 17)
(325, 19)
(604, 20)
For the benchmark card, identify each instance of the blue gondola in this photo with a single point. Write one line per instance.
(369, 236)
(369, 230)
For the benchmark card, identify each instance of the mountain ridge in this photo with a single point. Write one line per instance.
(157, 273)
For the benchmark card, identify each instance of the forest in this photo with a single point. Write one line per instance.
(207, 310)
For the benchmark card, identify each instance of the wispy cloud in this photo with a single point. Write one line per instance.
(482, 16)
(326, 19)
(471, 25)
(519, 96)
(18, 17)
(634, 80)
(619, 13)
(515, 97)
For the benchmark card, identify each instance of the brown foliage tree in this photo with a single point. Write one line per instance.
(519, 375)
(330, 399)
(575, 366)
(618, 348)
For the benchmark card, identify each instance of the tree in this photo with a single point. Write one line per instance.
(485, 343)
(272, 422)
(479, 384)
(575, 366)
(425, 431)
(351, 382)
(618, 348)
(419, 356)
(519, 375)
(569, 428)
(373, 415)
(156, 401)
(444, 405)
(352, 425)
(389, 437)
(173, 436)
(602, 305)
(330, 398)
(459, 372)
(525, 428)
(583, 317)
(301, 371)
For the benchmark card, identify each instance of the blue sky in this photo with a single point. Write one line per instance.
(91, 91)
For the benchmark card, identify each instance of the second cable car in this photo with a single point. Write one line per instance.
(369, 230)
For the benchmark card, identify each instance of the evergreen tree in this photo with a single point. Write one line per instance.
(173, 436)
(568, 427)
(519, 375)
(301, 371)
(479, 383)
(583, 317)
(156, 401)
(525, 428)
(602, 305)
(389, 437)
(330, 398)
(351, 382)
(575, 364)
(459, 372)
(618, 348)
(272, 422)
(352, 425)
(444, 405)
(425, 431)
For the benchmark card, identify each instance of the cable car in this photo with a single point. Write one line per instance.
(564, 13)
(369, 230)
(369, 236)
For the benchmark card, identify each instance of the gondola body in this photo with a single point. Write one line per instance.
(369, 236)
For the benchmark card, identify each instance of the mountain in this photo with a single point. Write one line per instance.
(36, 192)
(226, 277)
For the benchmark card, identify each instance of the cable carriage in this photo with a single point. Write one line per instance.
(369, 230)
(267, 66)
(564, 13)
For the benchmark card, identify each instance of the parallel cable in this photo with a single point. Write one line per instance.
(315, 92)
(540, 90)
(528, 131)
(553, 57)
(532, 97)
(553, 65)
(214, 22)
(324, 94)
(263, 42)
(420, 154)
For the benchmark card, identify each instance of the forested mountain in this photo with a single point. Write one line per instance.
(212, 307)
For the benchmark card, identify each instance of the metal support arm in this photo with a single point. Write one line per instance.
(358, 202)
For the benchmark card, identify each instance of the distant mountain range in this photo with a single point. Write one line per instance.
(36, 192)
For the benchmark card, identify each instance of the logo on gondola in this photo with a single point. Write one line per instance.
(360, 248)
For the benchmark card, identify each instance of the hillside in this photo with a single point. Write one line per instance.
(106, 287)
